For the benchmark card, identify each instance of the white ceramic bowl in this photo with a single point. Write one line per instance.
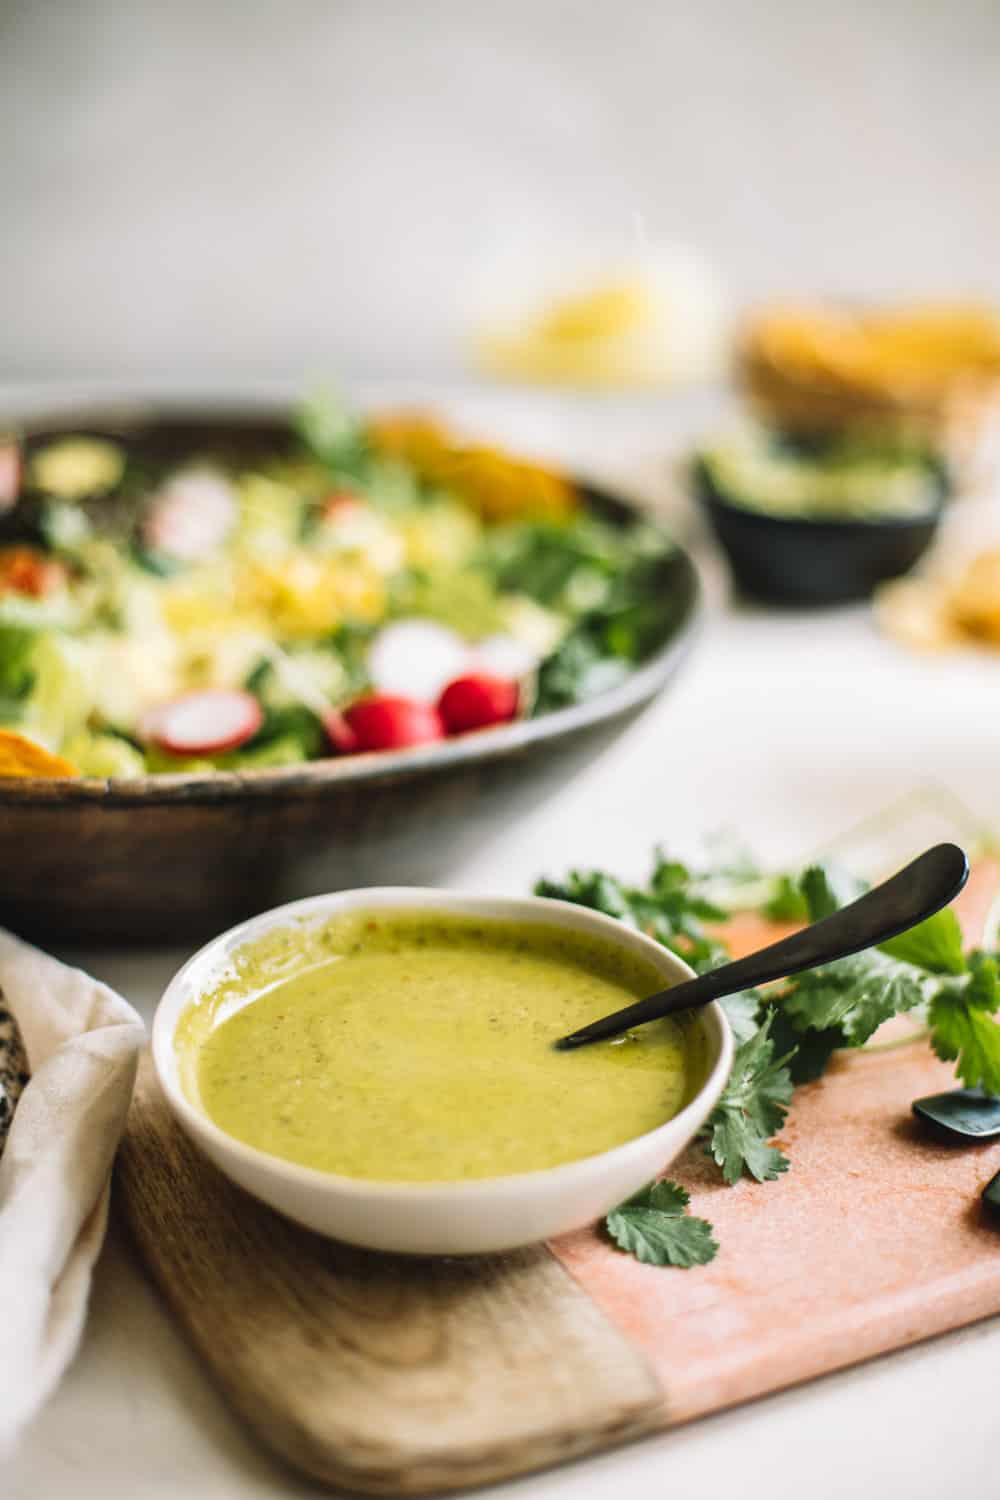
(440, 1218)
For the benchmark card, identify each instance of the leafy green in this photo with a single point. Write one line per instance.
(670, 908)
(292, 687)
(157, 563)
(751, 1110)
(826, 888)
(577, 670)
(603, 578)
(333, 435)
(854, 995)
(16, 673)
(62, 692)
(847, 1001)
(962, 1026)
(568, 568)
(742, 1011)
(105, 755)
(935, 945)
(809, 1052)
(258, 755)
(787, 903)
(656, 1228)
(294, 724)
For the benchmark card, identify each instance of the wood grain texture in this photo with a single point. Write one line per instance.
(390, 1375)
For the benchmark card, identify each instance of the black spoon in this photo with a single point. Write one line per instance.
(915, 893)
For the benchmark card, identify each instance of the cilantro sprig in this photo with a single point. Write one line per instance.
(751, 1110)
(963, 1029)
(672, 907)
(924, 970)
(787, 1036)
(655, 1226)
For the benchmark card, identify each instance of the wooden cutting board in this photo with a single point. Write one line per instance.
(393, 1375)
(388, 1374)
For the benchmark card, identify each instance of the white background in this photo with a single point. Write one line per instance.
(252, 188)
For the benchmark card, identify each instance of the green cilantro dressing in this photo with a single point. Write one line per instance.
(411, 1047)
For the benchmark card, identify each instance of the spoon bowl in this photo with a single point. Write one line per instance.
(448, 1217)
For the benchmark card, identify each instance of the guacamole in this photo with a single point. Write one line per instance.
(414, 1047)
(842, 480)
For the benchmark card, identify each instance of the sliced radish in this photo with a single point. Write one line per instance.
(416, 659)
(476, 701)
(387, 722)
(339, 733)
(10, 474)
(192, 515)
(504, 656)
(206, 723)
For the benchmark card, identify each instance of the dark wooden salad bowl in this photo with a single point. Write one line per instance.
(170, 858)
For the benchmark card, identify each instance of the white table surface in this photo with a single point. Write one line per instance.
(789, 728)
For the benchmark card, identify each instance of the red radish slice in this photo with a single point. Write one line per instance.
(192, 515)
(10, 475)
(416, 658)
(386, 722)
(205, 723)
(339, 733)
(476, 701)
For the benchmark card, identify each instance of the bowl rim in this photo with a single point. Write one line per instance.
(710, 497)
(197, 1122)
(478, 746)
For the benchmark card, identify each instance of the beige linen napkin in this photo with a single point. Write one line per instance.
(83, 1044)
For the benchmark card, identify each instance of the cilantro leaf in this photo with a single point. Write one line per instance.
(962, 1026)
(579, 668)
(741, 1011)
(591, 888)
(786, 902)
(808, 1052)
(671, 908)
(333, 435)
(853, 994)
(752, 1108)
(655, 1227)
(826, 888)
(935, 944)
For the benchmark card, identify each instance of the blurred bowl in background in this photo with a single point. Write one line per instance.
(796, 560)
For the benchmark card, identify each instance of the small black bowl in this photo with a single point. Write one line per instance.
(792, 560)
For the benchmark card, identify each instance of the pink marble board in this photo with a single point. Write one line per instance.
(874, 1238)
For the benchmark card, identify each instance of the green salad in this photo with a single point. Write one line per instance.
(767, 472)
(352, 586)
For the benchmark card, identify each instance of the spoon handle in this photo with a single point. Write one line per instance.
(915, 893)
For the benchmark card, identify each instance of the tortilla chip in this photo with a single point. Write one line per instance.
(975, 600)
(916, 611)
(946, 609)
(21, 757)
